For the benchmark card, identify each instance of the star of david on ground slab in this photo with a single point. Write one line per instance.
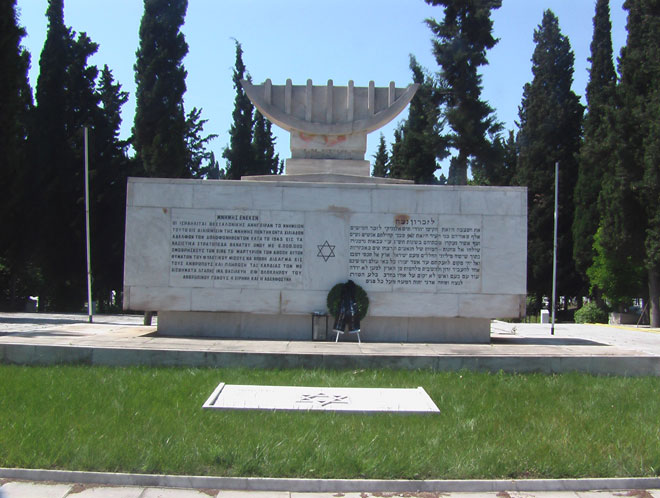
(323, 399)
(326, 251)
(336, 399)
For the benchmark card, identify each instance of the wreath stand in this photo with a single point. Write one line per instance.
(338, 332)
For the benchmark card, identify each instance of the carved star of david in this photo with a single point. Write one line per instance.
(324, 399)
(326, 251)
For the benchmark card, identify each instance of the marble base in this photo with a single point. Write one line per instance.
(337, 166)
(327, 178)
(231, 325)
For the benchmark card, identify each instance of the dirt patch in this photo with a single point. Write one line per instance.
(636, 493)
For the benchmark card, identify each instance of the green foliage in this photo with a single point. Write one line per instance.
(71, 94)
(67, 100)
(196, 145)
(334, 298)
(240, 153)
(381, 160)
(550, 132)
(532, 305)
(418, 143)
(591, 313)
(251, 149)
(160, 126)
(109, 169)
(459, 45)
(265, 161)
(598, 146)
(617, 278)
(15, 109)
(630, 197)
(85, 418)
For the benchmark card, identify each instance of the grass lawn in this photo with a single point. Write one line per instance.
(150, 420)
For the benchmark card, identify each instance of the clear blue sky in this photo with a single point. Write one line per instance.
(340, 40)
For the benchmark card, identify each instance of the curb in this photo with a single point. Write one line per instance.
(50, 354)
(328, 485)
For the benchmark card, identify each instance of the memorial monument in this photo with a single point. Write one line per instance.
(256, 258)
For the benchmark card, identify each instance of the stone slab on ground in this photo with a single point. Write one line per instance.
(18, 489)
(90, 491)
(337, 399)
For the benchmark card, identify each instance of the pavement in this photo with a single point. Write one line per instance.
(31, 338)
(22, 489)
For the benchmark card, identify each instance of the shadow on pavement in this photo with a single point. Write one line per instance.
(43, 333)
(545, 341)
(41, 321)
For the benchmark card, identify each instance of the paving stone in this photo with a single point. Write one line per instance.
(34, 490)
(91, 491)
(175, 493)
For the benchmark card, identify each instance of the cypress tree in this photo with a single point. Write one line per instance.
(66, 100)
(459, 45)
(381, 158)
(596, 150)
(251, 149)
(159, 130)
(109, 169)
(196, 145)
(651, 196)
(265, 161)
(394, 165)
(15, 109)
(550, 131)
(631, 196)
(420, 143)
(240, 152)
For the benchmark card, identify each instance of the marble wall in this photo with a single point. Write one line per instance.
(276, 248)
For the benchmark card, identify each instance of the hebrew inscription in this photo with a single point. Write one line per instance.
(418, 252)
(229, 248)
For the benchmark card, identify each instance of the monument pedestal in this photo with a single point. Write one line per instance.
(251, 259)
(299, 327)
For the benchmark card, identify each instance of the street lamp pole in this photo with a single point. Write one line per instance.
(554, 251)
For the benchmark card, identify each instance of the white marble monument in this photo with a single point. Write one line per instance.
(255, 259)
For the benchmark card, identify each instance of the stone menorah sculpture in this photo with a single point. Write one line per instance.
(328, 124)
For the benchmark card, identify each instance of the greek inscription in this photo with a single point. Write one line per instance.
(235, 248)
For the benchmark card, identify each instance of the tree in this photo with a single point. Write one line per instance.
(597, 148)
(109, 168)
(15, 109)
(196, 146)
(66, 101)
(251, 149)
(631, 195)
(500, 167)
(459, 45)
(265, 161)
(550, 132)
(381, 159)
(240, 152)
(160, 127)
(420, 143)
